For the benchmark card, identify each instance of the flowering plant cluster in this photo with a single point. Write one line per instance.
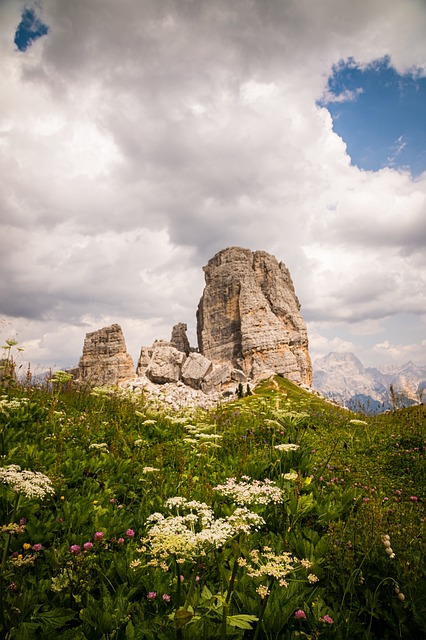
(8, 406)
(31, 484)
(199, 436)
(279, 567)
(188, 535)
(287, 447)
(249, 491)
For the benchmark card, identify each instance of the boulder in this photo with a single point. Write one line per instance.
(165, 363)
(194, 369)
(216, 378)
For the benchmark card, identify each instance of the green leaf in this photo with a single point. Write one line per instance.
(242, 621)
(54, 618)
(182, 617)
(206, 594)
(130, 631)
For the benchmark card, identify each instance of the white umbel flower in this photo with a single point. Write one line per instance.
(31, 484)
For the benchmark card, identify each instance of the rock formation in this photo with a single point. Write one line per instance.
(249, 316)
(165, 363)
(248, 325)
(194, 370)
(105, 359)
(179, 339)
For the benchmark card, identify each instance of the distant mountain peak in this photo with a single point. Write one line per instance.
(343, 378)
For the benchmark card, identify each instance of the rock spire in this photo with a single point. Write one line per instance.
(105, 359)
(249, 316)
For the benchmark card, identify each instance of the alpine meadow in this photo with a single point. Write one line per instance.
(274, 515)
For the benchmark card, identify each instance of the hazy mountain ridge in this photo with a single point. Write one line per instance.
(343, 378)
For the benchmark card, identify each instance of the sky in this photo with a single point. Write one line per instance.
(140, 137)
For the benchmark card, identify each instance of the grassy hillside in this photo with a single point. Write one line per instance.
(277, 516)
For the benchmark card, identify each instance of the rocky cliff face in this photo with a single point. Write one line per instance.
(249, 316)
(105, 359)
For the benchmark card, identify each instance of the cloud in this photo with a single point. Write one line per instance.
(344, 96)
(138, 138)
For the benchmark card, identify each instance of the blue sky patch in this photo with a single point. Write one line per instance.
(29, 29)
(380, 114)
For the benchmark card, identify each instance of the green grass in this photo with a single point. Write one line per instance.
(115, 458)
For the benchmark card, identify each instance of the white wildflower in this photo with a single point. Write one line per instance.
(287, 447)
(387, 545)
(290, 476)
(150, 469)
(250, 491)
(263, 591)
(99, 446)
(31, 484)
(268, 564)
(189, 534)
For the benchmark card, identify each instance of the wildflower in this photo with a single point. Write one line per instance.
(130, 533)
(413, 498)
(61, 581)
(31, 484)
(300, 614)
(387, 545)
(100, 446)
(287, 447)
(150, 469)
(120, 541)
(112, 500)
(312, 578)
(98, 536)
(75, 549)
(188, 534)
(37, 547)
(12, 527)
(327, 619)
(87, 546)
(268, 564)
(22, 561)
(263, 591)
(26, 546)
(151, 595)
(250, 491)
(290, 476)
(166, 597)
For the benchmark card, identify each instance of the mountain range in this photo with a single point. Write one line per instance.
(343, 378)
